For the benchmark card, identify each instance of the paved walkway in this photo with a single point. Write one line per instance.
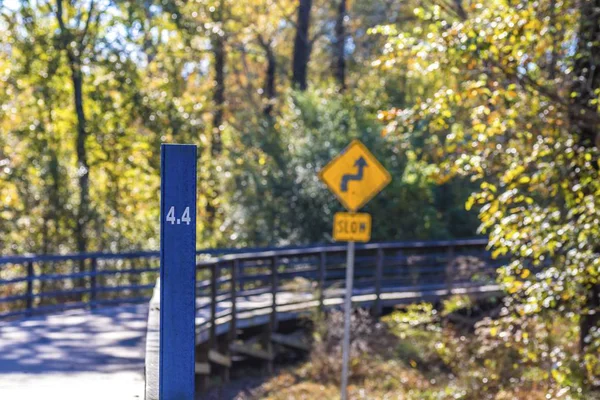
(77, 355)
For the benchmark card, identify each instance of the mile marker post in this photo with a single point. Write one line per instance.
(177, 272)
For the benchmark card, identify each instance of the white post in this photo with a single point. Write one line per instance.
(347, 316)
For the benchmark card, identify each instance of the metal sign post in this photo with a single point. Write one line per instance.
(347, 316)
(354, 176)
(177, 271)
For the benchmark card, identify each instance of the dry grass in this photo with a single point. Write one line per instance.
(420, 354)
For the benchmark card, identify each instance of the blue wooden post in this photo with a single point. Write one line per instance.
(177, 271)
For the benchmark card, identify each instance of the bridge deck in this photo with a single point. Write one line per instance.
(254, 309)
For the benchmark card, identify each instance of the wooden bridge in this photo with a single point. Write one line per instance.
(242, 299)
(245, 302)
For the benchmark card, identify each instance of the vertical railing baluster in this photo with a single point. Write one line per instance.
(234, 274)
(321, 283)
(274, 284)
(449, 276)
(273, 320)
(378, 279)
(30, 279)
(214, 271)
(231, 336)
(241, 276)
(79, 282)
(202, 350)
(93, 282)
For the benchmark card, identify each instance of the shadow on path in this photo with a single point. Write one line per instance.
(109, 340)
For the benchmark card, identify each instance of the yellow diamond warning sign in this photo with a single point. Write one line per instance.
(351, 227)
(355, 176)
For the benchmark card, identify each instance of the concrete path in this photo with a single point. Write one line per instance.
(77, 355)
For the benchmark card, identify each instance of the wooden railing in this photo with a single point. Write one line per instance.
(320, 271)
(50, 283)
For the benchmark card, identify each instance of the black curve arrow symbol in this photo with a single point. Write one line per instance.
(360, 163)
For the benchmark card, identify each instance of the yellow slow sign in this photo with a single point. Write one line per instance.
(351, 227)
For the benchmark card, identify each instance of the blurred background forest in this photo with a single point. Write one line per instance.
(270, 90)
(489, 106)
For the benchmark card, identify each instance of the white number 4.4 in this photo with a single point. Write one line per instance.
(185, 217)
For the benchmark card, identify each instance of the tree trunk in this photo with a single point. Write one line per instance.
(302, 46)
(82, 161)
(587, 80)
(82, 168)
(587, 73)
(218, 94)
(340, 46)
(460, 9)
(591, 317)
(554, 33)
(82, 217)
(216, 145)
(270, 89)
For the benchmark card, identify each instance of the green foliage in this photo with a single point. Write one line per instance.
(456, 303)
(506, 110)
(314, 127)
(148, 76)
(505, 357)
